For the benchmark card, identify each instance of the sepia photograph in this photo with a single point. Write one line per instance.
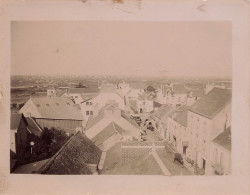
(121, 89)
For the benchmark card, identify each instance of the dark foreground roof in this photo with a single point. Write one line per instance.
(224, 139)
(73, 157)
(212, 103)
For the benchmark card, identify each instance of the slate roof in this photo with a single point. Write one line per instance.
(15, 121)
(181, 118)
(212, 103)
(73, 157)
(56, 108)
(224, 139)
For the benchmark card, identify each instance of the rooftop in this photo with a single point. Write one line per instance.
(57, 108)
(181, 118)
(73, 157)
(212, 103)
(224, 139)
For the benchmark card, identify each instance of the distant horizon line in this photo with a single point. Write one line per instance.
(129, 76)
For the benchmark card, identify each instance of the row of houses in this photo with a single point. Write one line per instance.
(201, 132)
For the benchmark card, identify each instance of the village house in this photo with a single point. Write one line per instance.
(177, 129)
(75, 94)
(220, 154)
(110, 126)
(177, 96)
(54, 112)
(20, 129)
(103, 98)
(207, 118)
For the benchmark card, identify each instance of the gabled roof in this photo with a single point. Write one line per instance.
(224, 139)
(106, 133)
(56, 108)
(94, 120)
(73, 157)
(15, 120)
(212, 103)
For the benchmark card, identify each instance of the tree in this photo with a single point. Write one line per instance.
(47, 145)
(150, 89)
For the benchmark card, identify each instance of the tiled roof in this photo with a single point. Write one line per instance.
(181, 118)
(212, 103)
(179, 88)
(33, 127)
(106, 133)
(73, 157)
(15, 121)
(224, 139)
(57, 108)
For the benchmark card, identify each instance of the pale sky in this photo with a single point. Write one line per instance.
(116, 47)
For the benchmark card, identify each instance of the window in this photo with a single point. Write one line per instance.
(47, 105)
(90, 103)
(87, 103)
(57, 104)
(87, 112)
(67, 103)
(91, 112)
(38, 105)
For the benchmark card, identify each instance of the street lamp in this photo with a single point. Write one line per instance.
(31, 145)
